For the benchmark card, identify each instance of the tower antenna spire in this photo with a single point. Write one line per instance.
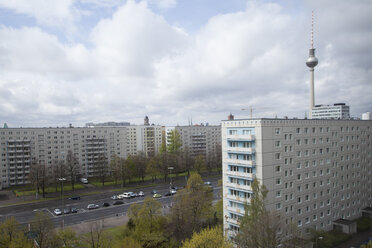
(312, 29)
(311, 62)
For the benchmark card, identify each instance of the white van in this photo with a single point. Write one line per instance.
(84, 180)
(126, 195)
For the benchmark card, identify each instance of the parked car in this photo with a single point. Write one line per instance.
(57, 211)
(154, 192)
(126, 195)
(84, 180)
(115, 197)
(173, 191)
(92, 206)
(118, 203)
(74, 198)
(141, 193)
(66, 210)
(175, 188)
(156, 195)
(121, 196)
(167, 194)
(74, 210)
(207, 183)
(105, 204)
(132, 194)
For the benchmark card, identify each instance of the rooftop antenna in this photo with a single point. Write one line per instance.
(311, 62)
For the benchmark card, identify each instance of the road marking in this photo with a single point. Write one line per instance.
(49, 212)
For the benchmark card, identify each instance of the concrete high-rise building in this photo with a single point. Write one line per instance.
(318, 172)
(19, 146)
(200, 139)
(335, 111)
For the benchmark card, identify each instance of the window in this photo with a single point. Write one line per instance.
(277, 168)
(277, 143)
(231, 132)
(278, 181)
(277, 131)
(277, 156)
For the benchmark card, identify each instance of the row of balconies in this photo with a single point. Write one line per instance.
(240, 174)
(238, 186)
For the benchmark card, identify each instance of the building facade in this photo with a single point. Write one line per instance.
(201, 139)
(335, 111)
(19, 146)
(316, 171)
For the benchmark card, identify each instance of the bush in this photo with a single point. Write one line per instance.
(331, 238)
(363, 224)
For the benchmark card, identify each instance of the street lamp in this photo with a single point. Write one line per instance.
(63, 210)
(316, 241)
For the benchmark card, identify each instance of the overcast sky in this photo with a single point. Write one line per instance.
(78, 61)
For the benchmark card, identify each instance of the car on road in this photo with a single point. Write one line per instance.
(57, 211)
(141, 193)
(126, 195)
(105, 204)
(132, 194)
(66, 210)
(92, 206)
(156, 195)
(118, 203)
(207, 183)
(115, 197)
(173, 191)
(74, 210)
(154, 192)
(74, 198)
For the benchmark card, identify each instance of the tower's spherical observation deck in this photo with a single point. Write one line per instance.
(312, 61)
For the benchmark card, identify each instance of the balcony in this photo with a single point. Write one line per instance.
(238, 186)
(247, 150)
(240, 137)
(234, 209)
(232, 221)
(241, 162)
(240, 174)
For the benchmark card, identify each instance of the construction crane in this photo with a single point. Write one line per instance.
(250, 109)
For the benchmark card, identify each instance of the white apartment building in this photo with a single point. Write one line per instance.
(200, 139)
(48, 145)
(316, 171)
(335, 111)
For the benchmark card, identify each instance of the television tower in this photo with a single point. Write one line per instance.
(311, 62)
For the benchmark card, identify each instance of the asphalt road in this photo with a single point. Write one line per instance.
(25, 213)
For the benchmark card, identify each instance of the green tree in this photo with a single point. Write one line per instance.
(130, 167)
(149, 223)
(199, 163)
(152, 168)
(175, 141)
(208, 238)
(43, 226)
(191, 209)
(12, 236)
(67, 238)
(259, 228)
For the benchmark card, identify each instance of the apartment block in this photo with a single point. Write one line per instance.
(18, 146)
(200, 139)
(335, 111)
(317, 172)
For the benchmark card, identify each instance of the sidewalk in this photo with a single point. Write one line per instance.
(85, 227)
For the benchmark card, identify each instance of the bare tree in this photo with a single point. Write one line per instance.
(43, 226)
(101, 168)
(72, 167)
(115, 168)
(58, 171)
(96, 238)
(39, 176)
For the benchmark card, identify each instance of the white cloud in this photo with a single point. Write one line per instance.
(138, 64)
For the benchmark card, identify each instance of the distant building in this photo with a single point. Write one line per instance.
(335, 111)
(108, 124)
(20, 145)
(366, 116)
(200, 139)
